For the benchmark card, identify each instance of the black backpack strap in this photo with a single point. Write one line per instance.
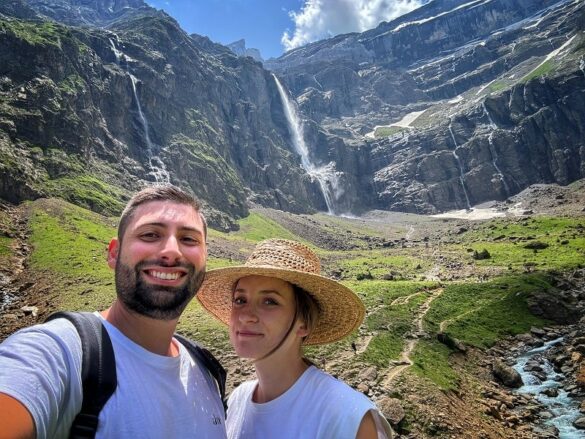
(206, 358)
(98, 370)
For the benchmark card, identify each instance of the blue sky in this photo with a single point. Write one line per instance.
(276, 26)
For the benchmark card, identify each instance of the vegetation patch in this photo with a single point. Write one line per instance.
(88, 191)
(480, 314)
(541, 70)
(256, 228)
(37, 34)
(431, 361)
(388, 131)
(383, 348)
(544, 243)
(376, 265)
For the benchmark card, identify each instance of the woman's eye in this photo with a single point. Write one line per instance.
(269, 301)
(238, 301)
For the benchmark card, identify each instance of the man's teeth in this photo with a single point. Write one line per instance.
(165, 276)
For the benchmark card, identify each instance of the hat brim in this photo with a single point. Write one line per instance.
(341, 311)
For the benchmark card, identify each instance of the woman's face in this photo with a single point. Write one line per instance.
(262, 311)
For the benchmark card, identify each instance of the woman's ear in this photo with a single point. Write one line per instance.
(302, 330)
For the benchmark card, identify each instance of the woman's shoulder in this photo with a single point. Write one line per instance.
(243, 390)
(326, 385)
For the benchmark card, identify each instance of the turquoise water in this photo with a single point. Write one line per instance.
(564, 408)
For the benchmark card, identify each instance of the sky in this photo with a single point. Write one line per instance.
(274, 26)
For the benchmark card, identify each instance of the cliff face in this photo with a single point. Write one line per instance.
(141, 101)
(456, 103)
(453, 104)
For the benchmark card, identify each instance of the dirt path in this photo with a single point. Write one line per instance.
(405, 362)
(18, 231)
(403, 300)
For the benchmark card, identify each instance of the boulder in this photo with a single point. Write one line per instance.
(392, 410)
(506, 375)
(580, 423)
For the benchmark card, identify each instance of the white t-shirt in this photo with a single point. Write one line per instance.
(156, 397)
(317, 406)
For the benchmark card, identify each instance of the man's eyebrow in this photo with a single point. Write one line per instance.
(164, 226)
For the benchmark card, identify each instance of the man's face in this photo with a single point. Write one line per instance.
(160, 263)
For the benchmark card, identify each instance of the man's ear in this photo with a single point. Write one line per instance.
(113, 251)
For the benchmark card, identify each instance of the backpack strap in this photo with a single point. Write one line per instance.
(209, 362)
(98, 370)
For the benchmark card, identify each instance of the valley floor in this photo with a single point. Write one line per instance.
(446, 295)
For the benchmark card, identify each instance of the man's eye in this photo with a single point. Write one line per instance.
(149, 236)
(190, 240)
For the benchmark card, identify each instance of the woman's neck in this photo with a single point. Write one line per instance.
(276, 376)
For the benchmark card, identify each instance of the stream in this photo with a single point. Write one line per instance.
(564, 409)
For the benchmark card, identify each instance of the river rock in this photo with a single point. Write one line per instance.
(580, 380)
(392, 410)
(580, 423)
(551, 392)
(506, 375)
(538, 332)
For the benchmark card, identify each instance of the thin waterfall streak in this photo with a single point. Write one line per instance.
(157, 166)
(458, 160)
(493, 151)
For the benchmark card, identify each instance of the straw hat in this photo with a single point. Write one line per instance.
(341, 311)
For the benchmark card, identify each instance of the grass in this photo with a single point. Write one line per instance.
(256, 228)
(377, 264)
(431, 361)
(5, 246)
(541, 70)
(88, 191)
(506, 243)
(388, 131)
(480, 314)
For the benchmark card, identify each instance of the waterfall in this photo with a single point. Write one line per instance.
(461, 180)
(157, 166)
(326, 176)
(582, 66)
(493, 152)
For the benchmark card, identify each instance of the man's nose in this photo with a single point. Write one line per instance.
(170, 250)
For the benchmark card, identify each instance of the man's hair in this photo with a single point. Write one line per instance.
(158, 193)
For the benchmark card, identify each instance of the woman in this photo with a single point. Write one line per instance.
(273, 304)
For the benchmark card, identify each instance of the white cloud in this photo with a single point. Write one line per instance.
(320, 19)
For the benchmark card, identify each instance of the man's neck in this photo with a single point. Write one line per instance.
(152, 334)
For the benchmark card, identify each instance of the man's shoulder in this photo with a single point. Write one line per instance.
(46, 336)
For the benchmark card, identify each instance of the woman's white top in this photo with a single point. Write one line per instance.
(316, 406)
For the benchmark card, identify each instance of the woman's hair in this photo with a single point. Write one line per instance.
(307, 309)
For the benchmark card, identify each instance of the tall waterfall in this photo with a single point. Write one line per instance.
(326, 176)
(461, 180)
(157, 166)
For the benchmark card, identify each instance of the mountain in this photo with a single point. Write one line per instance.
(456, 103)
(240, 49)
(451, 105)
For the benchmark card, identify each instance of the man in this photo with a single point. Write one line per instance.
(159, 259)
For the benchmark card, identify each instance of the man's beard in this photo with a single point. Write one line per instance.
(156, 301)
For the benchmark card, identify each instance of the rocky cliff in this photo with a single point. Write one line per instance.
(456, 103)
(451, 105)
(90, 114)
